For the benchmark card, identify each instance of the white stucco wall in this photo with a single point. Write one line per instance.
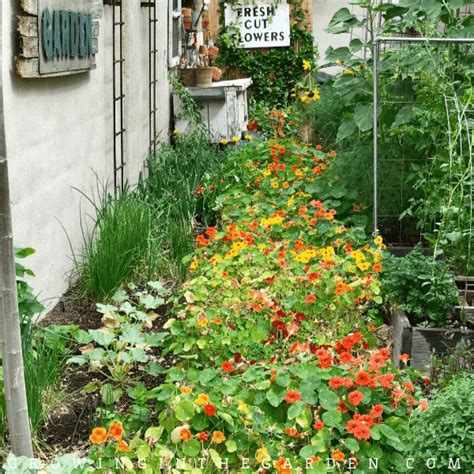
(323, 11)
(59, 134)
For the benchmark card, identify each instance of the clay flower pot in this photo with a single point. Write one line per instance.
(187, 15)
(216, 74)
(204, 77)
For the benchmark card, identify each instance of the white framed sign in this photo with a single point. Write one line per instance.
(260, 25)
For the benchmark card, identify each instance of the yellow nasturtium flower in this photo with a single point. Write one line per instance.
(306, 65)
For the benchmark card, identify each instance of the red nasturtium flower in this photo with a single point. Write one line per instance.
(404, 358)
(203, 436)
(336, 382)
(355, 397)
(227, 366)
(318, 425)
(292, 396)
(362, 378)
(310, 299)
(210, 409)
(98, 435)
(377, 410)
(292, 432)
(116, 430)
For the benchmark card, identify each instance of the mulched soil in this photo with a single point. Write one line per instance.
(67, 428)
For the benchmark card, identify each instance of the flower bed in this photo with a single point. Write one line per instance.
(277, 367)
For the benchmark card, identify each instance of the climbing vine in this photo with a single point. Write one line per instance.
(276, 71)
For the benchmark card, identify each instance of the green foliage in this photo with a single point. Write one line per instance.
(457, 362)
(420, 285)
(122, 242)
(28, 304)
(275, 71)
(445, 430)
(122, 345)
(416, 81)
(44, 358)
(179, 187)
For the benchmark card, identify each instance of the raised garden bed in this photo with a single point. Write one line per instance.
(420, 342)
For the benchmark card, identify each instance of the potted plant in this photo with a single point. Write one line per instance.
(424, 300)
(205, 71)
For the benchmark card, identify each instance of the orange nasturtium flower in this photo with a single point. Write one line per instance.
(218, 437)
(123, 446)
(98, 435)
(186, 390)
(185, 434)
(116, 430)
(338, 455)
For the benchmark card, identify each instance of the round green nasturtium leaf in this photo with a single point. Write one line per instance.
(332, 418)
(328, 400)
(184, 411)
(192, 448)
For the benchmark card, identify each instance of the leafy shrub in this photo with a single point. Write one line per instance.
(445, 431)
(122, 242)
(420, 285)
(457, 362)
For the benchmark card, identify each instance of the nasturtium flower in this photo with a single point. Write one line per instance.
(338, 455)
(203, 436)
(210, 409)
(292, 396)
(186, 390)
(224, 141)
(262, 455)
(185, 434)
(98, 435)
(218, 437)
(306, 65)
(235, 139)
(202, 399)
(123, 447)
(116, 430)
(355, 397)
(227, 366)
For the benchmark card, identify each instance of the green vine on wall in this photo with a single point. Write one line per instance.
(274, 71)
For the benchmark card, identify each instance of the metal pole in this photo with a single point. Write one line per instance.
(392, 39)
(375, 129)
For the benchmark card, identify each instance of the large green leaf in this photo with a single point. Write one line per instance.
(364, 117)
(184, 410)
(346, 129)
(328, 400)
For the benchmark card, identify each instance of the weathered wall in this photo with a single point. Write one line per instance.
(59, 135)
(323, 11)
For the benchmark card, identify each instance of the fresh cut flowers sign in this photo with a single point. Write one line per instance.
(260, 25)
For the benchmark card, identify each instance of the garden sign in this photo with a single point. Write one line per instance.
(260, 25)
(57, 37)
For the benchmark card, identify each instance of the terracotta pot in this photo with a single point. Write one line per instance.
(204, 77)
(188, 77)
(203, 49)
(187, 15)
(216, 74)
(213, 52)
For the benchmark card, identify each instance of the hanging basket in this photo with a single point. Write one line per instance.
(204, 77)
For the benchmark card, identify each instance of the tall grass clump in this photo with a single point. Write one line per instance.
(122, 242)
(179, 187)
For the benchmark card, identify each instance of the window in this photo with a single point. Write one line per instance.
(175, 33)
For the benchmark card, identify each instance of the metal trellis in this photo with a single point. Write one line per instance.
(376, 70)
